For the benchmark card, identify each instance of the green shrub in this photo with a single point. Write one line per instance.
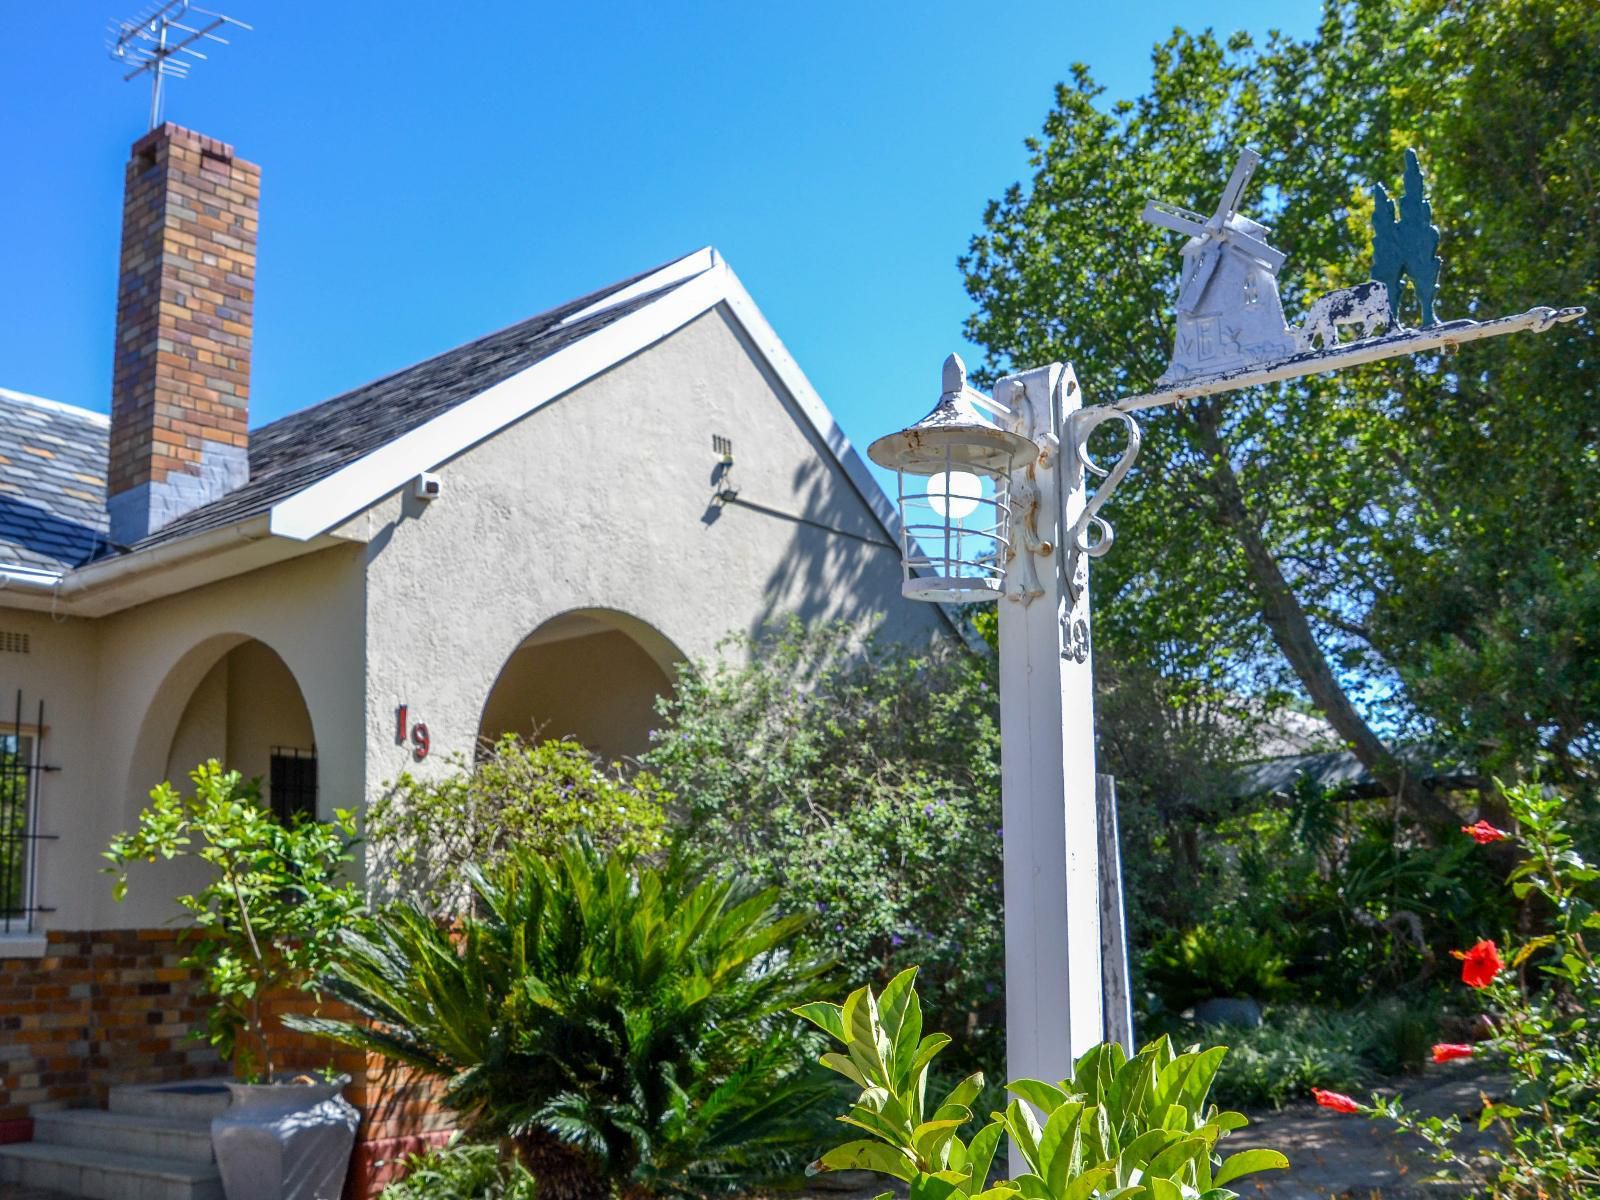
(462, 1171)
(1136, 1129)
(425, 833)
(1299, 1047)
(1221, 958)
(621, 1024)
(272, 915)
(864, 779)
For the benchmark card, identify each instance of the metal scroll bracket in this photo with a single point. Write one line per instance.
(1080, 543)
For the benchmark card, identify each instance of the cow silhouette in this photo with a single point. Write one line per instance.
(1366, 305)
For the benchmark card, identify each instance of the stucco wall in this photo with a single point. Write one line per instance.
(603, 500)
(116, 691)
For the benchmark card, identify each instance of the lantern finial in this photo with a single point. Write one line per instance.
(955, 374)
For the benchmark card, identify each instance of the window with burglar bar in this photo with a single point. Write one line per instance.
(292, 783)
(20, 771)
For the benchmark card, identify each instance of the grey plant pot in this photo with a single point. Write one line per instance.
(1239, 1011)
(285, 1141)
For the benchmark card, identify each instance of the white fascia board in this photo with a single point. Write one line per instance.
(687, 267)
(333, 500)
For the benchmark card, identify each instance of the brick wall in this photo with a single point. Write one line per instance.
(113, 1006)
(98, 1009)
(185, 302)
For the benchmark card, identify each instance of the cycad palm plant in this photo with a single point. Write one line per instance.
(622, 1026)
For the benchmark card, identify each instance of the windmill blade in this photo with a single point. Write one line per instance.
(1170, 216)
(1237, 182)
(1255, 248)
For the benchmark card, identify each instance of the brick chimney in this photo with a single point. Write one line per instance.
(181, 383)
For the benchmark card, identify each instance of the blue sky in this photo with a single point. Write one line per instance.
(434, 172)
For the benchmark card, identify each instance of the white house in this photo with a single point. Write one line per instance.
(528, 531)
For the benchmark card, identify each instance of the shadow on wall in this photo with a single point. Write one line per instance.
(838, 562)
(591, 675)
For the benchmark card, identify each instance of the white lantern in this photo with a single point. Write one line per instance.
(954, 469)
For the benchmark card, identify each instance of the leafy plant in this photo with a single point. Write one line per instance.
(1297, 1048)
(864, 779)
(620, 1024)
(273, 913)
(1541, 1000)
(1218, 958)
(424, 833)
(462, 1171)
(1119, 1129)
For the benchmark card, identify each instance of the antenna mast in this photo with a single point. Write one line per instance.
(159, 41)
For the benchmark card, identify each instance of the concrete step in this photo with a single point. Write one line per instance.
(185, 1138)
(199, 1099)
(107, 1175)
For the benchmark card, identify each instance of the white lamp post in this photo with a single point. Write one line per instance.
(1025, 472)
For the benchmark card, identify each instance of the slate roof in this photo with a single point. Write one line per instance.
(52, 457)
(52, 482)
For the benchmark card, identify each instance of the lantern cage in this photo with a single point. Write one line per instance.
(955, 513)
(954, 534)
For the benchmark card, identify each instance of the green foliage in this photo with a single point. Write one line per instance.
(634, 1013)
(1224, 958)
(1429, 518)
(1128, 1129)
(864, 780)
(426, 832)
(1297, 1048)
(1541, 1011)
(272, 915)
(462, 1171)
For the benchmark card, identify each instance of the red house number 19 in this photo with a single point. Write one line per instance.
(416, 735)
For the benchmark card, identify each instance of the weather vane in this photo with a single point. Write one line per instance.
(1231, 329)
(161, 42)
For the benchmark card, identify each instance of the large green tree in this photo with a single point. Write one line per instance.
(1408, 546)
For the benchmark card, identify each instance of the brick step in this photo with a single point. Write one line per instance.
(194, 1100)
(185, 1138)
(105, 1175)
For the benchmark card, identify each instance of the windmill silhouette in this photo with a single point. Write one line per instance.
(1229, 314)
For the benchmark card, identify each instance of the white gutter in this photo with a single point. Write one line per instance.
(16, 574)
(107, 572)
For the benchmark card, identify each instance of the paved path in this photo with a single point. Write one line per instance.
(1352, 1158)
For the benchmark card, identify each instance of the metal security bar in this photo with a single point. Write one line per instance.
(292, 784)
(21, 768)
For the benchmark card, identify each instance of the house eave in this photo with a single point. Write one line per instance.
(110, 585)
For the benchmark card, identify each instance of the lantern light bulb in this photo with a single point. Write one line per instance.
(955, 494)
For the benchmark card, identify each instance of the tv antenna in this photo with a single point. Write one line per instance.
(163, 41)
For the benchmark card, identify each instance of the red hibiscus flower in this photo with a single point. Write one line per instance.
(1445, 1051)
(1480, 965)
(1483, 833)
(1336, 1101)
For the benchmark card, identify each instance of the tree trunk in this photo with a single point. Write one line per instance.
(1291, 630)
(560, 1171)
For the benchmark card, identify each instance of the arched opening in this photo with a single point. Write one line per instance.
(592, 675)
(246, 710)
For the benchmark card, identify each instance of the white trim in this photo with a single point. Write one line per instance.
(72, 410)
(364, 482)
(23, 945)
(33, 577)
(686, 267)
